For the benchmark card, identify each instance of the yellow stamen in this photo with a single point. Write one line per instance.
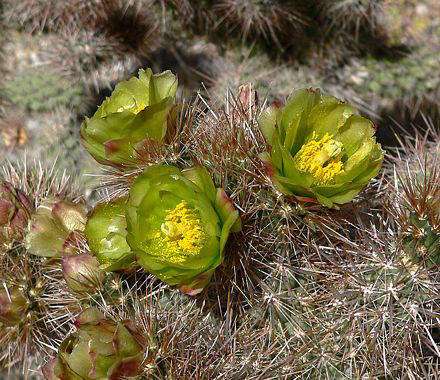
(181, 235)
(321, 158)
(139, 108)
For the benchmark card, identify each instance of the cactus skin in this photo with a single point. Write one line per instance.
(41, 90)
(414, 200)
(387, 81)
(422, 242)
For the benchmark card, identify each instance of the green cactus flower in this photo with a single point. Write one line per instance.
(320, 149)
(137, 111)
(178, 224)
(106, 234)
(53, 226)
(100, 349)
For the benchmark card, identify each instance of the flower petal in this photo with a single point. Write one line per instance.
(200, 176)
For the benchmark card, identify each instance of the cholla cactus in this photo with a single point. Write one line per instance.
(41, 15)
(228, 141)
(88, 57)
(13, 306)
(377, 313)
(131, 25)
(275, 81)
(353, 15)
(282, 287)
(35, 308)
(374, 310)
(82, 273)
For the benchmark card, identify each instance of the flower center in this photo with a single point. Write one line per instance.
(321, 158)
(181, 235)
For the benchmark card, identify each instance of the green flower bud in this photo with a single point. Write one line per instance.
(178, 224)
(13, 306)
(137, 111)
(52, 225)
(106, 234)
(100, 349)
(82, 273)
(15, 211)
(320, 149)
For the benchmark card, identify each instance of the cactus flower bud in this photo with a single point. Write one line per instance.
(100, 349)
(13, 306)
(106, 232)
(15, 211)
(82, 273)
(52, 225)
(137, 111)
(178, 224)
(321, 150)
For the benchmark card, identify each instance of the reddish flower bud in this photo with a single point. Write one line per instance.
(13, 306)
(53, 225)
(82, 273)
(15, 211)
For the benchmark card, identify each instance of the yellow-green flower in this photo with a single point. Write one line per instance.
(178, 224)
(136, 112)
(321, 150)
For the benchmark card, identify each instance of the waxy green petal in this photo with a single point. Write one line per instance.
(225, 208)
(354, 132)
(294, 117)
(267, 122)
(162, 85)
(328, 118)
(200, 176)
(106, 235)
